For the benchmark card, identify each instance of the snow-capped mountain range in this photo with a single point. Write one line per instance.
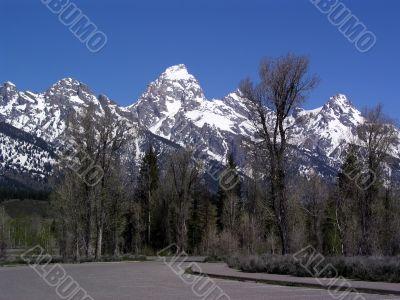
(173, 112)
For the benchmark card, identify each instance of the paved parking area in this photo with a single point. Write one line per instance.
(143, 280)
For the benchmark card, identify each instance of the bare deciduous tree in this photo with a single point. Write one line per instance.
(85, 195)
(283, 86)
(183, 176)
(111, 138)
(377, 135)
(314, 196)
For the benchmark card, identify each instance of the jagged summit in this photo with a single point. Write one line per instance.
(9, 83)
(341, 108)
(69, 91)
(177, 72)
(172, 93)
(68, 80)
(8, 87)
(340, 100)
(68, 84)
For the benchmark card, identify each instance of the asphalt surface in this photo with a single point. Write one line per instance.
(145, 280)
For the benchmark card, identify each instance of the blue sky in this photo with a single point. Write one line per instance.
(220, 41)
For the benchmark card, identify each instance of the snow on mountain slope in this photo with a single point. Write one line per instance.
(173, 111)
(174, 107)
(173, 92)
(24, 154)
(328, 128)
(45, 115)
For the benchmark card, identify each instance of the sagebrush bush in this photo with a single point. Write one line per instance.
(362, 268)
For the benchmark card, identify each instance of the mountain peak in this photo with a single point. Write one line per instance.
(68, 81)
(339, 104)
(8, 88)
(68, 86)
(341, 100)
(178, 72)
(9, 84)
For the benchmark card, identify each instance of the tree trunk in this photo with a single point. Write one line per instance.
(282, 207)
(366, 217)
(149, 218)
(99, 242)
(88, 227)
(284, 232)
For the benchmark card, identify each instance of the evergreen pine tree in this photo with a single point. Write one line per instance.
(202, 218)
(229, 204)
(147, 185)
(347, 201)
